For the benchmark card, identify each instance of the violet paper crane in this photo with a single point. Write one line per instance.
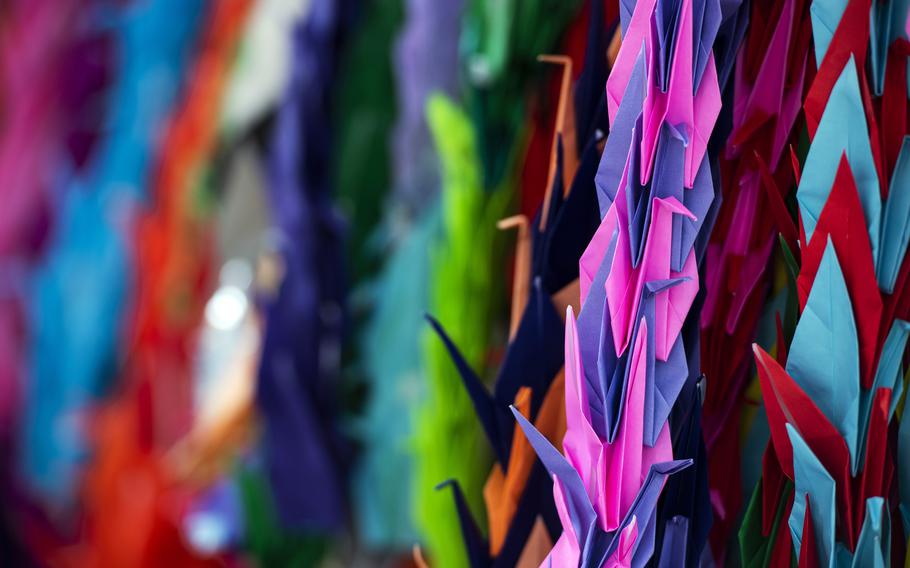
(299, 363)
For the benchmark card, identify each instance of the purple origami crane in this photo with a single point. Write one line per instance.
(626, 358)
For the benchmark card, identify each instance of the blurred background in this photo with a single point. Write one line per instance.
(222, 223)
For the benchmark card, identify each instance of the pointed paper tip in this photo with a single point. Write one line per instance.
(779, 211)
(657, 286)
(447, 483)
(488, 412)
(794, 163)
(512, 222)
(673, 466)
(525, 425)
(675, 206)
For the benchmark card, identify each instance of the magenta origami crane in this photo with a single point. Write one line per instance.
(628, 359)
